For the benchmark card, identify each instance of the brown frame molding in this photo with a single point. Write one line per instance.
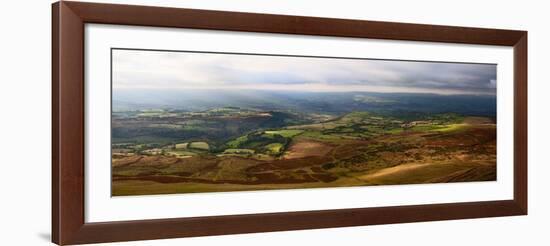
(68, 224)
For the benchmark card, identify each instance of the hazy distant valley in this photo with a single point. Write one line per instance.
(305, 102)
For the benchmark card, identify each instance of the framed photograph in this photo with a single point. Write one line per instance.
(177, 122)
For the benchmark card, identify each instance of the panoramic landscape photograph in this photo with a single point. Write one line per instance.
(191, 122)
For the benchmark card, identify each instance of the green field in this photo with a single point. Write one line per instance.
(284, 133)
(199, 146)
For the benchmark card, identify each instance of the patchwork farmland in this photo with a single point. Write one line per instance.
(231, 149)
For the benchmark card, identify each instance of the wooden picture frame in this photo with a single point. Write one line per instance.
(68, 223)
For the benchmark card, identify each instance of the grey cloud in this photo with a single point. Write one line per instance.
(148, 69)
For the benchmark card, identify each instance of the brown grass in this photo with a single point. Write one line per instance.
(464, 155)
(306, 148)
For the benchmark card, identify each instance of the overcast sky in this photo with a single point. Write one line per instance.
(133, 69)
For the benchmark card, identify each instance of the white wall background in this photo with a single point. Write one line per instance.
(25, 122)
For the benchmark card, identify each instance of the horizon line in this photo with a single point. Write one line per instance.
(442, 93)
